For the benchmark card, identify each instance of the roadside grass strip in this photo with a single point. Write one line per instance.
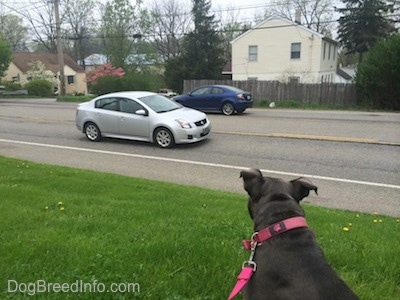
(118, 237)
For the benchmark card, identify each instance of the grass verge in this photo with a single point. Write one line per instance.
(69, 226)
(292, 104)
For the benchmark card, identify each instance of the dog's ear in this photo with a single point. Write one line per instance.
(252, 182)
(302, 187)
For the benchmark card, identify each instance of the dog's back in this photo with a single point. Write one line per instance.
(290, 265)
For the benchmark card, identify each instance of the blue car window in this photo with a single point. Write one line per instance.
(217, 91)
(202, 91)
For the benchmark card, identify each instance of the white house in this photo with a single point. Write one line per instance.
(282, 50)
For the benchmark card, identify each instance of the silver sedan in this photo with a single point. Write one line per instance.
(142, 116)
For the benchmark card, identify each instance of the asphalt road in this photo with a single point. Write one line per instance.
(353, 157)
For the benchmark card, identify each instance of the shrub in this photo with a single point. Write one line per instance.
(139, 81)
(106, 84)
(103, 71)
(39, 87)
(378, 75)
(11, 86)
(132, 81)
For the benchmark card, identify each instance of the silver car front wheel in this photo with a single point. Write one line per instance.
(164, 138)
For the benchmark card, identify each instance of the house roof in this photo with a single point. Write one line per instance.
(347, 73)
(23, 59)
(95, 59)
(289, 23)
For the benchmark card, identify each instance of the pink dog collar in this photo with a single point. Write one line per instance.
(256, 239)
(275, 229)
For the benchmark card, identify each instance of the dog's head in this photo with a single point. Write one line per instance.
(263, 190)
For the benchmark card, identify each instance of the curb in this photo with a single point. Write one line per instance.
(313, 137)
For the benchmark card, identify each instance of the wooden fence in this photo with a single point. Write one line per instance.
(334, 94)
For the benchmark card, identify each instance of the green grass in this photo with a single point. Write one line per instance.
(176, 242)
(292, 104)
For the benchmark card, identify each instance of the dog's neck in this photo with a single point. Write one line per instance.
(276, 210)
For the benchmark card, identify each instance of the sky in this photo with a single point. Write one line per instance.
(248, 9)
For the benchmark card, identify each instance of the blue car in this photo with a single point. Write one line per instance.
(217, 98)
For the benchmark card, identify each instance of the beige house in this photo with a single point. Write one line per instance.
(282, 50)
(75, 76)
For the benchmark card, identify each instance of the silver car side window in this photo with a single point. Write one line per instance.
(107, 103)
(129, 106)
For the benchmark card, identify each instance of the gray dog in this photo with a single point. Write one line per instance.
(288, 263)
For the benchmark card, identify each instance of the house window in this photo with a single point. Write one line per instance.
(329, 51)
(324, 50)
(334, 52)
(253, 53)
(295, 50)
(70, 79)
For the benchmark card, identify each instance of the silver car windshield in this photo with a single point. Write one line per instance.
(160, 103)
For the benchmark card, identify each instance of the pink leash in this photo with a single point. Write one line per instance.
(242, 280)
(256, 239)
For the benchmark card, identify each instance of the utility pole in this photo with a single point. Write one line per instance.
(60, 53)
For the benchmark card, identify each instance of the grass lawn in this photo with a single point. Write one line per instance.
(64, 228)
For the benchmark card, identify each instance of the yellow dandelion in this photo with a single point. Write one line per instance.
(46, 207)
(350, 224)
(357, 215)
(398, 220)
(375, 213)
(375, 221)
(62, 208)
(380, 221)
(346, 229)
(60, 203)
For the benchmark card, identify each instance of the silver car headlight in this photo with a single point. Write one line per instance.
(184, 124)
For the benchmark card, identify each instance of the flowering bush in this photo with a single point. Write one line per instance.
(38, 71)
(103, 70)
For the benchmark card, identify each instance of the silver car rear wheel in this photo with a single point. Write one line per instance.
(164, 138)
(228, 109)
(92, 132)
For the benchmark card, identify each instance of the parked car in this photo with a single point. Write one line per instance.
(217, 98)
(167, 93)
(142, 116)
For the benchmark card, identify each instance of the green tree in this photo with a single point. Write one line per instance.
(78, 16)
(14, 32)
(5, 56)
(175, 73)
(362, 24)
(202, 53)
(121, 24)
(378, 75)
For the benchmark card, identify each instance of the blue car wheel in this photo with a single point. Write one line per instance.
(228, 109)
